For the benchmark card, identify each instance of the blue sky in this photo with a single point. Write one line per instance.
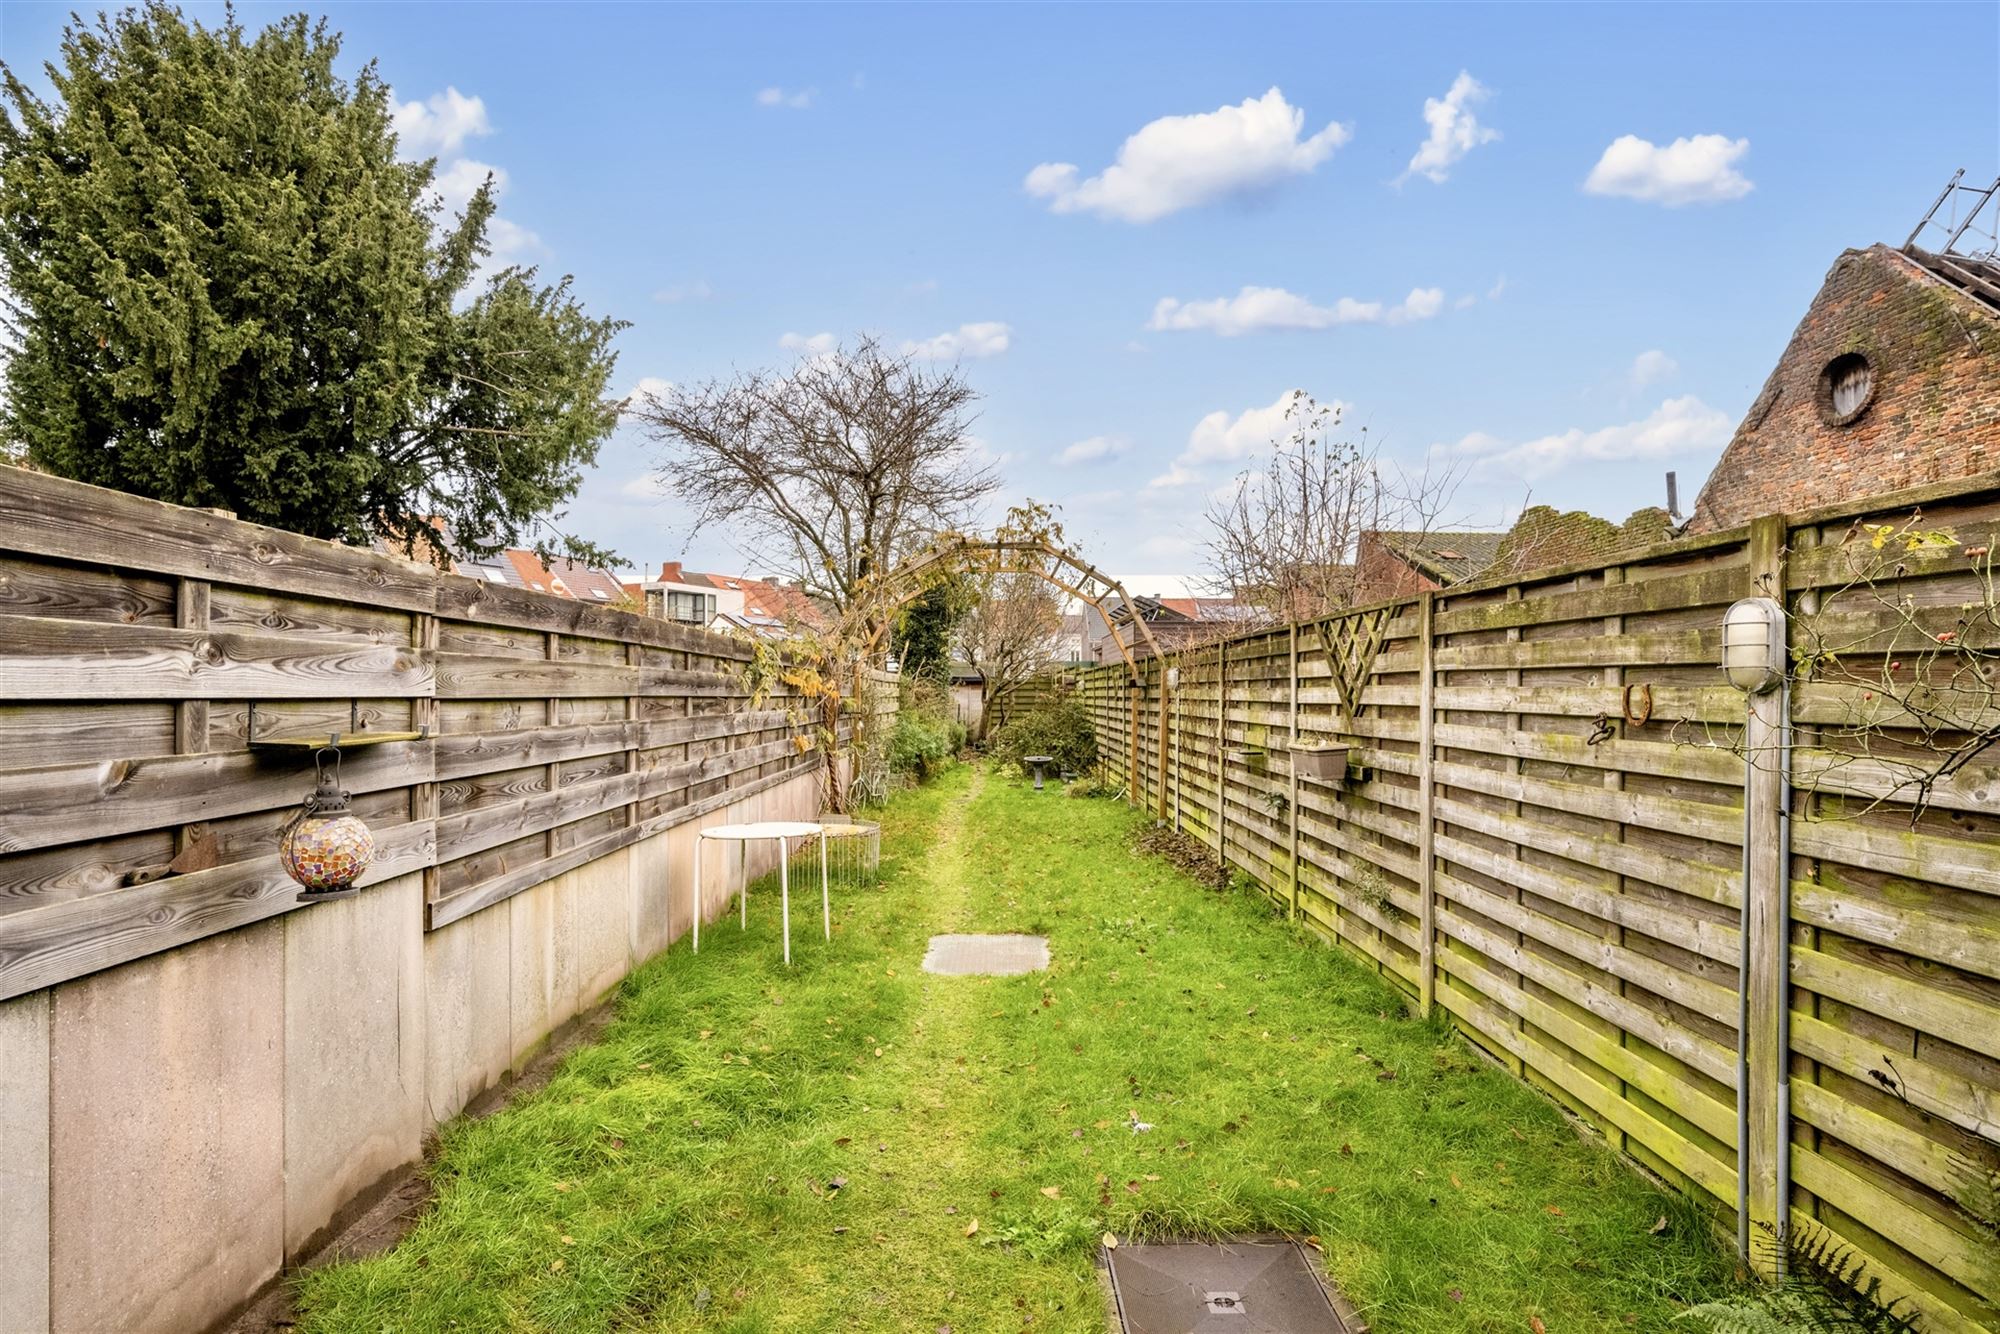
(1565, 296)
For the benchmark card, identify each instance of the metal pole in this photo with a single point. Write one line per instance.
(698, 841)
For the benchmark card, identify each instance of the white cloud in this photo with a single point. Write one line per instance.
(1700, 170)
(1096, 449)
(648, 388)
(798, 99)
(1683, 425)
(1499, 286)
(511, 243)
(1455, 131)
(1257, 309)
(441, 123)
(698, 290)
(818, 344)
(457, 181)
(1650, 367)
(1220, 438)
(1178, 162)
(455, 184)
(989, 338)
(438, 127)
(646, 486)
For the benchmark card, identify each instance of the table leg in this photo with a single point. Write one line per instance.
(825, 902)
(698, 841)
(785, 897)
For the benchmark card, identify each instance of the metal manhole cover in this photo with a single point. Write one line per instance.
(1232, 1287)
(1001, 956)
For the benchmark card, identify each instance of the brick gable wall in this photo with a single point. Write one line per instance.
(1934, 416)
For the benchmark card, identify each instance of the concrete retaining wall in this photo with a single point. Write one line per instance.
(174, 1130)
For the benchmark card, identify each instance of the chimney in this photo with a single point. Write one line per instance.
(670, 572)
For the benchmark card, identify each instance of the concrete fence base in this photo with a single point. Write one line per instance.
(175, 1130)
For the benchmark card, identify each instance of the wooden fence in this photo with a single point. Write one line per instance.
(1544, 837)
(149, 653)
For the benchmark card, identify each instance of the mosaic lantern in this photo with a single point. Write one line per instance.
(324, 847)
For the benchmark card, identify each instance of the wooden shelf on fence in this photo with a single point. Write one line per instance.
(341, 740)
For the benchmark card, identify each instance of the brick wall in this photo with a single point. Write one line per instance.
(1934, 354)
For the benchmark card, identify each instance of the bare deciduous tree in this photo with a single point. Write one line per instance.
(834, 469)
(1286, 536)
(1010, 634)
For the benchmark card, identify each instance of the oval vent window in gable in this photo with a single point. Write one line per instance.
(1845, 388)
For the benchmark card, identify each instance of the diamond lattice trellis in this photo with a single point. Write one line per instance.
(1351, 645)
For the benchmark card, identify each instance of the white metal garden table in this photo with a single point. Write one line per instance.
(782, 832)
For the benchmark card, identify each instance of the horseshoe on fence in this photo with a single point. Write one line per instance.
(1645, 713)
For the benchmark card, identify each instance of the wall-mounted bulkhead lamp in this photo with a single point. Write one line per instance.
(1753, 645)
(324, 846)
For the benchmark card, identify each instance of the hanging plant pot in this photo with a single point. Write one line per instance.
(325, 847)
(1325, 764)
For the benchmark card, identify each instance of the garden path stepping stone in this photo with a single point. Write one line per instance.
(994, 956)
(1231, 1287)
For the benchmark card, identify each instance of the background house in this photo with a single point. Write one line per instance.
(1175, 623)
(1891, 380)
(729, 603)
(1391, 564)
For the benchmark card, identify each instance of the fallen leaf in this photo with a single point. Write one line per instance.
(1660, 1226)
(1456, 1295)
(1053, 1192)
(842, 1142)
(1456, 1183)
(1516, 1133)
(645, 1065)
(1535, 1323)
(1110, 1242)
(1555, 1209)
(972, 1227)
(568, 1240)
(567, 1187)
(555, 1266)
(836, 1183)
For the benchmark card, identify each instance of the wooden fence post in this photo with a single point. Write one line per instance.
(1165, 692)
(1766, 899)
(1292, 765)
(1426, 807)
(191, 604)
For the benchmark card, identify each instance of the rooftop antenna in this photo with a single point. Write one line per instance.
(1945, 216)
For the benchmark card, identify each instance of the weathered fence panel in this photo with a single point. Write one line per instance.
(1543, 836)
(199, 1077)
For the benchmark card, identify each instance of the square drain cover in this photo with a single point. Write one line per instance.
(1231, 1287)
(1003, 956)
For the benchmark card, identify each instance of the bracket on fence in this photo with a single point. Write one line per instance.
(355, 735)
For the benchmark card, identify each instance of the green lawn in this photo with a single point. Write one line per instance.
(755, 1148)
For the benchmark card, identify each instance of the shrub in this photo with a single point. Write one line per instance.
(925, 738)
(1061, 729)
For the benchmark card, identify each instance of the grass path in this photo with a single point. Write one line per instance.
(755, 1148)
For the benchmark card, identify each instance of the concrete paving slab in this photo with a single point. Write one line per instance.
(986, 956)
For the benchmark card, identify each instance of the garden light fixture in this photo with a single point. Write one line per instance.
(1753, 645)
(324, 846)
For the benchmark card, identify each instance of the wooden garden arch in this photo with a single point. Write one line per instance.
(1045, 560)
